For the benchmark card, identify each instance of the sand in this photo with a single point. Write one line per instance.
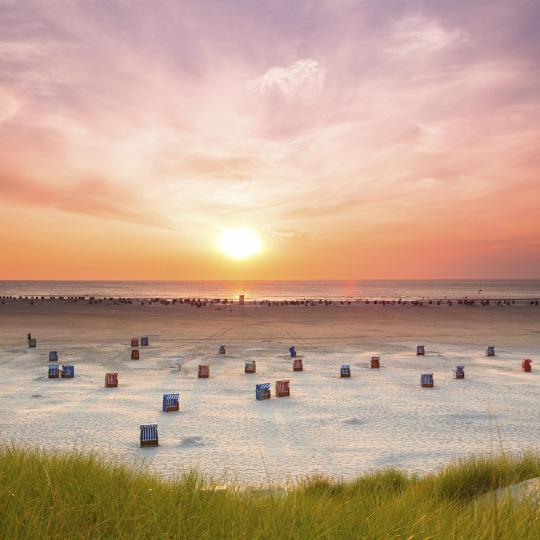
(339, 427)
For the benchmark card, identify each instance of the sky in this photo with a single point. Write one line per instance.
(358, 139)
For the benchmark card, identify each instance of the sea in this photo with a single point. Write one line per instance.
(283, 290)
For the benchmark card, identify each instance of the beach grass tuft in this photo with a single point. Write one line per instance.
(81, 495)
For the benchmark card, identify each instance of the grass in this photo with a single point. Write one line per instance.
(82, 496)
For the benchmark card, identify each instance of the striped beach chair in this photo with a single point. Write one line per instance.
(134, 342)
(68, 371)
(297, 365)
(111, 380)
(204, 372)
(375, 362)
(420, 350)
(135, 354)
(32, 343)
(459, 372)
(53, 356)
(144, 341)
(221, 349)
(262, 391)
(250, 367)
(526, 365)
(426, 380)
(345, 371)
(54, 371)
(283, 389)
(490, 351)
(292, 350)
(171, 402)
(149, 435)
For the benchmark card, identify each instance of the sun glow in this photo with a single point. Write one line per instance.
(239, 243)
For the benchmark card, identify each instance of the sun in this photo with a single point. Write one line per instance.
(239, 243)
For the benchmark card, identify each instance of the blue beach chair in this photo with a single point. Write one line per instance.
(426, 380)
(345, 370)
(54, 371)
(144, 341)
(149, 435)
(171, 402)
(221, 349)
(490, 351)
(420, 350)
(460, 372)
(68, 372)
(53, 356)
(292, 350)
(262, 391)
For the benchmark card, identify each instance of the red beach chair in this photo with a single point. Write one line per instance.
(297, 365)
(282, 389)
(134, 342)
(111, 380)
(375, 362)
(526, 365)
(204, 372)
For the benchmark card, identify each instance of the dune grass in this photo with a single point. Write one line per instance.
(77, 495)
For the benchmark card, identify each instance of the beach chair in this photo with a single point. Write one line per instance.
(345, 370)
(54, 371)
(111, 380)
(68, 371)
(204, 372)
(134, 342)
(250, 367)
(144, 341)
(420, 350)
(292, 350)
(375, 362)
(460, 372)
(135, 354)
(282, 389)
(490, 351)
(171, 402)
(297, 365)
(32, 343)
(53, 356)
(526, 365)
(175, 364)
(426, 380)
(221, 349)
(149, 435)
(262, 391)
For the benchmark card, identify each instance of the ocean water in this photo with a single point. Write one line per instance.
(274, 290)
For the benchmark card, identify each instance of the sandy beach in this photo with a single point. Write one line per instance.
(338, 427)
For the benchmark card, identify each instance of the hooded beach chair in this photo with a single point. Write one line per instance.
(292, 350)
(375, 362)
(135, 354)
(490, 351)
(149, 435)
(175, 364)
(526, 365)
(54, 372)
(426, 380)
(262, 391)
(460, 372)
(297, 365)
(171, 402)
(204, 372)
(111, 380)
(283, 389)
(32, 343)
(250, 367)
(134, 342)
(221, 349)
(144, 341)
(68, 371)
(420, 350)
(53, 356)
(345, 370)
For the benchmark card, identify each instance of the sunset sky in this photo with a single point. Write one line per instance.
(357, 139)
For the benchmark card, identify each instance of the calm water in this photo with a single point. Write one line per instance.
(364, 289)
